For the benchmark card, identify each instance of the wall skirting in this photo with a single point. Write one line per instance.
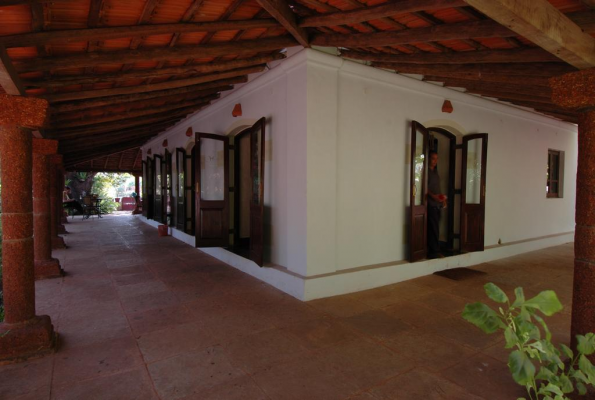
(367, 277)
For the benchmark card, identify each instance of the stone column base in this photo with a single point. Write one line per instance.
(29, 339)
(58, 243)
(64, 217)
(62, 230)
(46, 269)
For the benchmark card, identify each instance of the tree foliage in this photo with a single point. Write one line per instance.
(546, 371)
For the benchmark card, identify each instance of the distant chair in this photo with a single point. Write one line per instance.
(90, 207)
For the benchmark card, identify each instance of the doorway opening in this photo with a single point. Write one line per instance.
(462, 179)
(242, 194)
(444, 143)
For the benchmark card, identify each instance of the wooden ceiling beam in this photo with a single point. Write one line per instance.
(79, 136)
(134, 31)
(201, 102)
(133, 122)
(280, 10)
(224, 84)
(543, 91)
(388, 9)
(508, 96)
(91, 143)
(9, 78)
(173, 84)
(477, 70)
(491, 78)
(244, 47)
(59, 118)
(461, 30)
(77, 157)
(58, 81)
(523, 55)
(543, 24)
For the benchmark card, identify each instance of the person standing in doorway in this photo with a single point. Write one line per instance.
(436, 201)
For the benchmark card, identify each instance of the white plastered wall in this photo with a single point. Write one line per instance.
(279, 95)
(358, 166)
(336, 186)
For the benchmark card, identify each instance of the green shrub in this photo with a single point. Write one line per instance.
(546, 371)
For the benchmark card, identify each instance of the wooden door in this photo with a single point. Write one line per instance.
(190, 194)
(150, 185)
(473, 190)
(212, 194)
(257, 140)
(181, 189)
(168, 200)
(158, 192)
(418, 223)
(144, 190)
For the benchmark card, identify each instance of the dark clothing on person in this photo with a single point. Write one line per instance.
(433, 214)
(74, 204)
(433, 231)
(433, 186)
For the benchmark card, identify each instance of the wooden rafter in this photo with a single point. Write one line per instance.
(282, 13)
(523, 55)
(589, 3)
(478, 70)
(59, 118)
(106, 33)
(9, 78)
(508, 96)
(543, 24)
(493, 78)
(388, 9)
(58, 81)
(110, 133)
(198, 103)
(462, 30)
(125, 56)
(465, 83)
(119, 99)
(89, 94)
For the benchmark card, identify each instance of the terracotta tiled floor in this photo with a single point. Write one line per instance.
(144, 317)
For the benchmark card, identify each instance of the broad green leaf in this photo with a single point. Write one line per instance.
(566, 351)
(519, 297)
(483, 317)
(545, 374)
(547, 302)
(526, 331)
(495, 293)
(548, 334)
(579, 376)
(565, 384)
(582, 389)
(587, 368)
(551, 388)
(586, 344)
(521, 367)
(511, 338)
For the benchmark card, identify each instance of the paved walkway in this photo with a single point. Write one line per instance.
(144, 317)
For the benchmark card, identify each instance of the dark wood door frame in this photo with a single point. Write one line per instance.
(158, 188)
(180, 203)
(469, 244)
(236, 185)
(218, 210)
(418, 215)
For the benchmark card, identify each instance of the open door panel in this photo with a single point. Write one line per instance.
(212, 197)
(144, 189)
(257, 151)
(418, 223)
(473, 182)
(190, 224)
(158, 189)
(181, 189)
(168, 193)
(148, 201)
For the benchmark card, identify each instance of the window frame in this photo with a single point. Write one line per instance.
(558, 179)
